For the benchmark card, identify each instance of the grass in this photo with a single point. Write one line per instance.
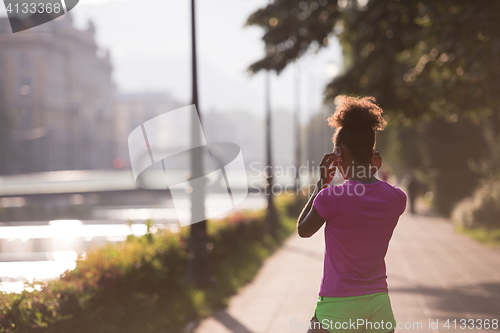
(483, 235)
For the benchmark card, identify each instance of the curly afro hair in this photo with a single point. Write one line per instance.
(357, 120)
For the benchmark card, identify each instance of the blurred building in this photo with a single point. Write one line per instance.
(133, 109)
(57, 92)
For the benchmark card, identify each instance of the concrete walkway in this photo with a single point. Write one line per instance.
(434, 274)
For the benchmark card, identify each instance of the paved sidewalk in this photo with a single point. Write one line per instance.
(434, 274)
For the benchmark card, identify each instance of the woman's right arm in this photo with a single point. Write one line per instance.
(309, 221)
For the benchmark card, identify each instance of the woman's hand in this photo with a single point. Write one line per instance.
(375, 163)
(327, 169)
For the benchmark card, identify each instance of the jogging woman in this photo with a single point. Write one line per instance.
(360, 217)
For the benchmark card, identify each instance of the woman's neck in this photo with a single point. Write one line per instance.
(371, 179)
(361, 173)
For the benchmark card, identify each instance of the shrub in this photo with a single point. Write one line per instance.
(482, 209)
(139, 285)
(292, 205)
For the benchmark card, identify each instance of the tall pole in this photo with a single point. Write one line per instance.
(314, 123)
(297, 129)
(199, 268)
(271, 221)
(271, 217)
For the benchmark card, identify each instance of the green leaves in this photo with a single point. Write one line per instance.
(416, 57)
(291, 28)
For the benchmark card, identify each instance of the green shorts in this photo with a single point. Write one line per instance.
(366, 313)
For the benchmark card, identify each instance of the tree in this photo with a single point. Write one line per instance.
(418, 58)
(423, 60)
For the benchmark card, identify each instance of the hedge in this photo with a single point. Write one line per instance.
(139, 285)
(482, 209)
(479, 215)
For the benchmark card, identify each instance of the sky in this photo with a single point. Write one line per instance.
(150, 47)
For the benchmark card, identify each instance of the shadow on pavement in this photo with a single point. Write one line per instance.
(230, 322)
(481, 299)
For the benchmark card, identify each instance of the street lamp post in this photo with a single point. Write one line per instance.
(297, 129)
(332, 70)
(198, 260)
(271, 221)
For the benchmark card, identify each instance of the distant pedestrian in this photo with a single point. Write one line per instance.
(360, 216)
(413, 189)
